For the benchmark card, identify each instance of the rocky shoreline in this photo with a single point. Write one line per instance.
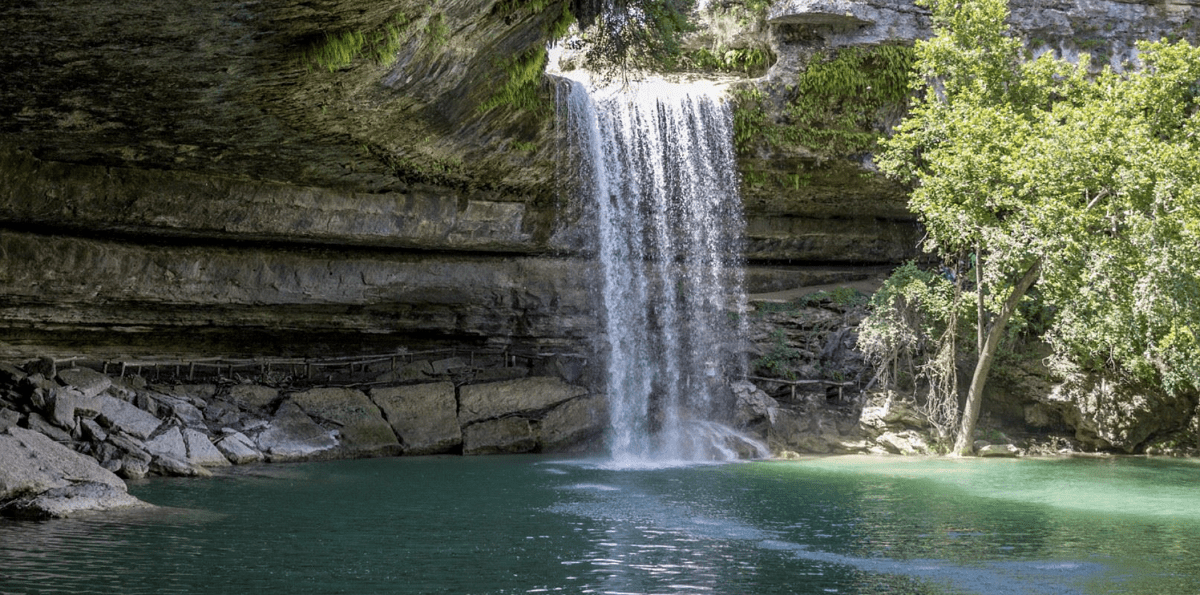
(68, 437)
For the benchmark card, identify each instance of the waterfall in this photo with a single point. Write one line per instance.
(657, 164)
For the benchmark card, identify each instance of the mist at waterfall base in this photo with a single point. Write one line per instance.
(656, 163)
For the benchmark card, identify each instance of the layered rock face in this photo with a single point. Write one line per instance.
(192, 168)
(824, 205)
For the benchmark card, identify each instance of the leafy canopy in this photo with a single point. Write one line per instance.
(1093, 175)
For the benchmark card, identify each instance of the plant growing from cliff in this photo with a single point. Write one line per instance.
(1086, 185)
(626, 36)
(522, 86)
(338, 50)
(779, 361)
(838, 101)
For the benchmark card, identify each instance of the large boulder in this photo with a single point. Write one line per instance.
(361, 426)
(527, 396)
(423, 416)
(905, 442)
(168, 444)
(117, 414)
(291, 435)
(238, 448)
(1108, 414)
(85, 380)
(754, 408)
(201, 451)
(41, 478)
(499, 436)
(572, 425)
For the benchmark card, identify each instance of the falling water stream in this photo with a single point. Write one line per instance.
(658, 163)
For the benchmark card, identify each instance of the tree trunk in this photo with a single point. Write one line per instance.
(964, 446)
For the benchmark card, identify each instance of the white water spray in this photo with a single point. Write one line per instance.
(657, 159)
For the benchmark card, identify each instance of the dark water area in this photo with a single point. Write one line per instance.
(533, 524)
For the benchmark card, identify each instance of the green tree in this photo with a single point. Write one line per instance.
(625, 36)
(1087, 183)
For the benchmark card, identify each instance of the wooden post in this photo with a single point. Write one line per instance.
(191, 370)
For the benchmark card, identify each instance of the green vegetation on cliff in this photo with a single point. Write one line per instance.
(837, 106)
(1084, 185)
(381, 45)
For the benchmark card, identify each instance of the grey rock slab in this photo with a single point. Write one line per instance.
(201, 451)
(115, 413)
(168, 444)
(40, 424)
(69, 500)
(92, 430)
(445, 366)
(571, 424)
(999, 451)
(32, 463)
(424, 416)
(167, 465)
(134, 468)
(361, 425)
(9, 418)
(479, 402)
(499, 436)
(129, 445)
(906, 442)
(291, 435)
(62, 409)
(239, 449)
(195, 391)
(10, 374)
(86, 380)
(183, 410)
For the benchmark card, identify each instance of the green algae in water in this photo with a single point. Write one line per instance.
(535, 524)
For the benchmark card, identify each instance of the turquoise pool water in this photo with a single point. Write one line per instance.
(533, 524)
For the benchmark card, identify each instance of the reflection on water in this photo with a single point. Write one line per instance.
(530, 525)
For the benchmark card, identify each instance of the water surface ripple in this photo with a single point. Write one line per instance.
(541, 525)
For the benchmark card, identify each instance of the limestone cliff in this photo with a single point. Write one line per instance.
(335, 175)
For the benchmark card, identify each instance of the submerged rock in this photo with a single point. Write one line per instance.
(69, 500)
